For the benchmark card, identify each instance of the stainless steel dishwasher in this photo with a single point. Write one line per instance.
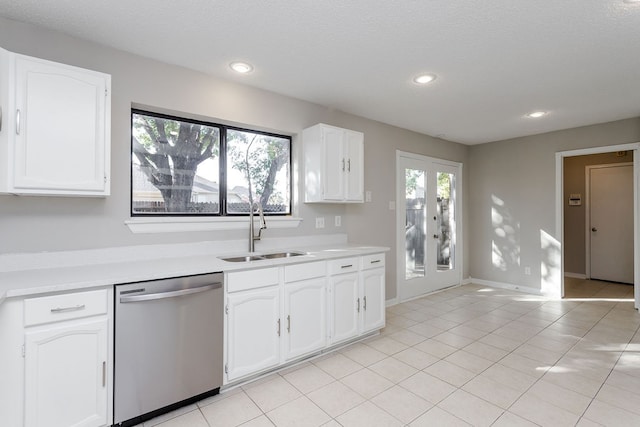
(168, 345)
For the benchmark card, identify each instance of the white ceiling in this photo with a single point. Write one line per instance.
(496, 60)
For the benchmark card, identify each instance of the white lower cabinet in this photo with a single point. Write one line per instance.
(277, 315)
(373, 300)
(357, 296)
(345, 306)
(305, 313)
(253, 331)
(63, 377)
(66, 374)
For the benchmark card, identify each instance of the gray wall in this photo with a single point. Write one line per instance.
(575, 216)
(34, 224)
(512, 202)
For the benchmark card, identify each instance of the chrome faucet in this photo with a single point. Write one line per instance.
(252, 232)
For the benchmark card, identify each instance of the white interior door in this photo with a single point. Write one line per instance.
(610, 225)
(428, 200)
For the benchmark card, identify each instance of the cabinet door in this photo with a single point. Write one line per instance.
(345, 303)
(253, 331)
(354, 153)
(62, 128)
(334, 161)
(373, 300)
(65, 374)
(305, 317)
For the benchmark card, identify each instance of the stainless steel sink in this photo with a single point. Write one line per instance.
(283, 255)
(246, 258)
(275, 255)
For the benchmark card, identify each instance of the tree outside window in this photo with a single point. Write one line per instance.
(177, 164)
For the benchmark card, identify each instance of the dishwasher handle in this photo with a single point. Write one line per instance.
(171, 294)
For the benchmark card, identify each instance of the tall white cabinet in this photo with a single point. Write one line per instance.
(55, 128)
(334, 164)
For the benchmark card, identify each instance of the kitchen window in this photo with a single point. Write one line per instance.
(185, 167)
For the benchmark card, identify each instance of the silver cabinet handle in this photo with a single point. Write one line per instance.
(349, 165)
(289, 323)
(0, 119)
(594, 229)
(172, 294)
(17, 122)
(346, 266)
(104, 374)
(342, 165)
(278, 327)
(68, 309)
(375, 261)
(364, 305)
(358, 305)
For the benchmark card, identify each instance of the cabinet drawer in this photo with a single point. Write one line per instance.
(344, 265)
(252, 279)
(372, 261)
(64, 307)
(294, 273)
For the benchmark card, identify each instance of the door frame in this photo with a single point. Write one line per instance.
(399, 223)
(560, 155)
(587, 211)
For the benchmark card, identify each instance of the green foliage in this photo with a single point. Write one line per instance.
(259, 157)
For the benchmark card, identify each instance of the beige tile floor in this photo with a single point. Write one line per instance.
(470, 355)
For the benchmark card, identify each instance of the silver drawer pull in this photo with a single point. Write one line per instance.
(347, 266)
(375, 261)
(17, 122)
(68, 309)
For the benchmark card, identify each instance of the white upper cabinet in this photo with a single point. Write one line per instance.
(55, 135)
(334, 164)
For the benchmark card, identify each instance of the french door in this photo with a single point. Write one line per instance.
(428, 224)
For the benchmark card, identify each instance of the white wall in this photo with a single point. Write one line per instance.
(512, 203)
(35, 224)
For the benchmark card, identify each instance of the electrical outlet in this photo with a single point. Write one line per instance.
(338, 220)
(320, 222)
(527, 271)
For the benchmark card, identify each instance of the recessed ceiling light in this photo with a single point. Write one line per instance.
(241, 67)
(423, 79)
(536, 114)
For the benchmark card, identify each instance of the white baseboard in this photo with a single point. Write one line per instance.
(575, 275)
(392, 301)
(467, 281)
(510, 286)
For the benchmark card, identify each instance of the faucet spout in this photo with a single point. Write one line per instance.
(252, 232)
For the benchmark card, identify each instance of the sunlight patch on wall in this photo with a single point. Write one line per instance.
(550, 260)
(505, 246)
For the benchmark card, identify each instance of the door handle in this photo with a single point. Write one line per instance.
(436, 236)
(594, 229)
(171, 294)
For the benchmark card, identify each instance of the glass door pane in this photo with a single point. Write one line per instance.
(445, 221)
(415, 223)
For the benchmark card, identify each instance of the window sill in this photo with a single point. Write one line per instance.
(179, 224)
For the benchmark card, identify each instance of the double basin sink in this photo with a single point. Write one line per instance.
(262, 257)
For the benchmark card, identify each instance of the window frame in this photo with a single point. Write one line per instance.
(222, 169)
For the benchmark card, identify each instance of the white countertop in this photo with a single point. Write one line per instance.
(98, 273)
